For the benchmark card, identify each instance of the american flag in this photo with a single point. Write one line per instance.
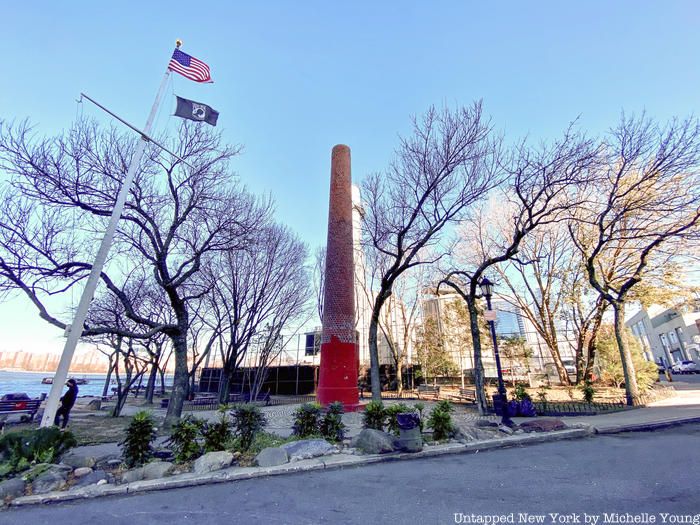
(189, 67)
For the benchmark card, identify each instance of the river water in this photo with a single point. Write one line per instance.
(30, 383)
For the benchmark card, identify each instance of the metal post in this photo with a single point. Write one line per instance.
(75, 330)
(502, 394)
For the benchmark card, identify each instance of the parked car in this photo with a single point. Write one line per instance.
(685, 367)
(16, 396)
(569, 366)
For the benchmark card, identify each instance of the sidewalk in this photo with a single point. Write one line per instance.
(684, 407)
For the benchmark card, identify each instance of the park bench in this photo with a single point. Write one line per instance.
(199, 403)
(24, 406)
(428, 390)
(467, 394)
(246, 397)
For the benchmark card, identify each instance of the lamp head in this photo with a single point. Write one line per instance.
(486, 287)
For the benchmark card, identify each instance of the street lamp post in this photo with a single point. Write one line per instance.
(500, 400)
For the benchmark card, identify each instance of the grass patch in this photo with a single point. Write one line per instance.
(262, 440)
(92, 430)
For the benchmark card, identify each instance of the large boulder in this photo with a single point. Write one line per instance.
(543, 425)
(308, 448)
(92, 478)
(82, 472)
(478, 434)
(12, 488)
(156, 469)
(212, 461)
(135, 474)
(93, 456)
(78, 459)
(272, 456)
(371, 441)
(52, 479)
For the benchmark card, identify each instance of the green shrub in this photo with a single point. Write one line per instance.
(248, 420)
(332, 427)
(137, 446)
(520, 393)
(19, 450)
(588, 391)
(374, 415)
(217, 435)
(610, 363)
(420, 407)
(440, 421)
(391, 412)
(185, 438)
(542, 396)
(307, 420)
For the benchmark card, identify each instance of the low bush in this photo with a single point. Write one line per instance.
(185, 438)
(520, 393)
(19, 450)
(332, 427)
(391, 412)
(217, 435)
(137, 447)
(440, 420)
(420, 407)
(588, 391)
(248, 421)
(374, 415)
(307, 420)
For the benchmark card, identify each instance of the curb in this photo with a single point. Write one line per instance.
(334, 462)
(644, 427)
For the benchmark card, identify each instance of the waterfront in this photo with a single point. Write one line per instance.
(30, 383)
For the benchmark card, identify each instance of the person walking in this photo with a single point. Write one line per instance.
(67, 402)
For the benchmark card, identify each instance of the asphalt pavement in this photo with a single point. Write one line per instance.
(645, 474)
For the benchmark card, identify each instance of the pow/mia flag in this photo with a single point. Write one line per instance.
(195, 111)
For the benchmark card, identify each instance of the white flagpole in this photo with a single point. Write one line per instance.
(75, 330)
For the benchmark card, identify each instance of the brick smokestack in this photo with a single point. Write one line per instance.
(339, 358)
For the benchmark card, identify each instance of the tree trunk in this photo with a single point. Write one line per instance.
(151, 384)
(161, 371)
(478, 365)
(373, 350)
(581, 367)
(561, 371)
(180, 380)
(593, 342)
(399, 379)
(122, 393)
(108, 379)
(631, 389)
(224, 385)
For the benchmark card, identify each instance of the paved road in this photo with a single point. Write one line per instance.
(653, 472)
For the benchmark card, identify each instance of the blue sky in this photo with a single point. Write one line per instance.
(293, 78)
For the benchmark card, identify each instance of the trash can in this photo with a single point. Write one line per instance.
(410, 438)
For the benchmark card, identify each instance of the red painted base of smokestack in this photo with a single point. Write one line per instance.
(337, 379)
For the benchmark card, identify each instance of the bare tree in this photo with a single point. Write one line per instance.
(583, 312)
(438, 172)
(176, 216)
(265, 285)
(647, 207)
(544, 185)
(537, 282)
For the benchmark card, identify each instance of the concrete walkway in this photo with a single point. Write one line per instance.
(684, 407)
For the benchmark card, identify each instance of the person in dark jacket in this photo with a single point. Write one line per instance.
(67, 402)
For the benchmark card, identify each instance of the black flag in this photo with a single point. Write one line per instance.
(195, 111)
